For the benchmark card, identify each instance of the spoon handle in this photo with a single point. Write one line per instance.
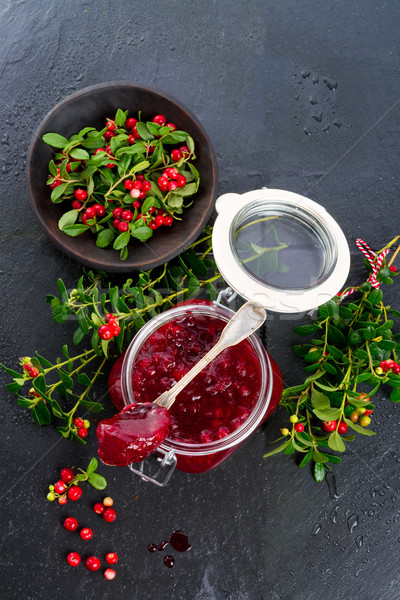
(243, 323)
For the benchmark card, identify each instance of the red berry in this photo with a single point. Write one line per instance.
(117, 212)
(136, 204)
(92, 563)
(172, 186)
(137, 184)
(77, 205)
(108, 135)
(55, 184)
(109, 574)
(299, 427)
(160, 120)
(159, 220)
(108, 150)
(171, 126)
(90, 212)
(116, 222)
(122, 226)
(111, 125)
(82, 432)
(176, 155)
(135, 133)
(74, 493)
(142, 195)
(140, 216)
(152, 225)
(86, 533)
(152, 210)
(80, 194)
(140, 177)
(116, 330)
(181, 180)
(135, 193)
(99, 210)
(34, 372)
(342, 428)
(393, 268)
(110, 165)
(111, 558)
(73, 559)
(109, 515)
(109, 316)
(396, 369)
(131, 139)
(329, 426)
(70, 524)
(129, 123)
(59, 487)
(146, 186)
(62, 499)
(99, 150)
(78, 422)
(162, 183)
(99, 508)
(172, 172)
(127, 215)
(184, 149)
(368, 412)
(67, 475)
(128, 184)
(104, 331)
(168, 220)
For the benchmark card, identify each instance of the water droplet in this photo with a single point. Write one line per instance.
(315, 78)
(326, 128)
(318, 117)
(305, 73)
(313, 100)
(330, 82)
(333, 515)
(359, 541)
(337, 123)
(352, 522)
(371, 512)
(331, 481)
(381, 493)
(316, 529)
(307, 131)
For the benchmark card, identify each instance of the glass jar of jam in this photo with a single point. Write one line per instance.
(223, 405)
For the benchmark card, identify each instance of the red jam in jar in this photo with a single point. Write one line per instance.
(225, 402)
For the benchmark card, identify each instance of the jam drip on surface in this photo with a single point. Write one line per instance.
(132, 434)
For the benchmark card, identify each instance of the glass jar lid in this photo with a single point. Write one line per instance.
(279, 248)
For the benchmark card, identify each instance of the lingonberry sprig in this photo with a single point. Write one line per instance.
(107, 318)
(353, 353)
(124, 181)
(68, 486)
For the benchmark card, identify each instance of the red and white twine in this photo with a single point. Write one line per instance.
(375, 262)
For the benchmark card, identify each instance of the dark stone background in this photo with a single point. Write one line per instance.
(260, 529)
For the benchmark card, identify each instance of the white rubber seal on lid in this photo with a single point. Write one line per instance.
(334, 255)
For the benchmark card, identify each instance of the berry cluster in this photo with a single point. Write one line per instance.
(66, 488)
(390, 365)
(82, 426)
(111, 329)
(29, 368)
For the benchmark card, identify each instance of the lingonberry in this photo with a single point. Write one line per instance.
(50, 496)
(62, 499)
(146, 186)
(74, 493)
(129, 123)
(184, 149)
(364, 421)
(110, 165)
(140, 177)
(55, 184)
(160, 120)
(86, 423)
(109, 574)
(152, 225)
(109, 515)
(108, 150)
(110, 125)
(117, 212)
(135, 193)
(80, 194)
(128, 185)
(73, 559)
(140, 216)
(67, 475)
(142, 194)
(393, 268)
(176, 155)
(82, 432)
(172, 172)
(127, 215)
(99, 210)
(136, 204)
(396, 369)
(104, 331)
(159, 220)
(162, 183)
(116, 222)
(90, 212)
(172, 185)
(131, 139)
(181, 180)
(108, 135)
(168, 220)
(137, 184)
(99, 150)
(354, 416)
(99, 508)
(285, 431)
(92, 563)
(86, 533)
(171, 126)
(111, 558)
(116, 330)
(342, 427)
(122, 226)
(70, 524)
(135, 133)
(76, 204)
(109, 316)
(108, 501)
(293, 418)
(78, 422)
(299, 427)
(152, 210)
(59, 487)
(329, 426)
(34, 372)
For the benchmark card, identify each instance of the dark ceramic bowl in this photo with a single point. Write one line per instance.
(90, 107)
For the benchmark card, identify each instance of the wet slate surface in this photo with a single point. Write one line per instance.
(258, 75)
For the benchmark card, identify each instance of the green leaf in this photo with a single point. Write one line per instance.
(95, 407)
(188, 190)
(306, 459)
(122, 240)
(329, 309)
(142, 233)
(104, 238)
(92, 466)
(97, 481)
(359, 429)
(335, 352)
(60, 313)
(55, 139)
(395, 395)
(75, 230)
(175, 200)
(83, 379)
(327, 414)
(190, 144)
(43, 361)
(144, 132)
(319, 472)
(375, 297)
(193, 286)
(62, 290)
(318, 400)
(65, 378)
(320, 457)
(306, 329)
(39, 384)
(79, 154)
(120, 117)
(43, 413)
(58, 191)
(68, 218)
(336, 337)
(10, 372)
(277, 449)
(335, 442)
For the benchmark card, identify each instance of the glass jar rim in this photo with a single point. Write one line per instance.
(264, 396)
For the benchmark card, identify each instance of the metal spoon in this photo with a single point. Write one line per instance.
(243, 323)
